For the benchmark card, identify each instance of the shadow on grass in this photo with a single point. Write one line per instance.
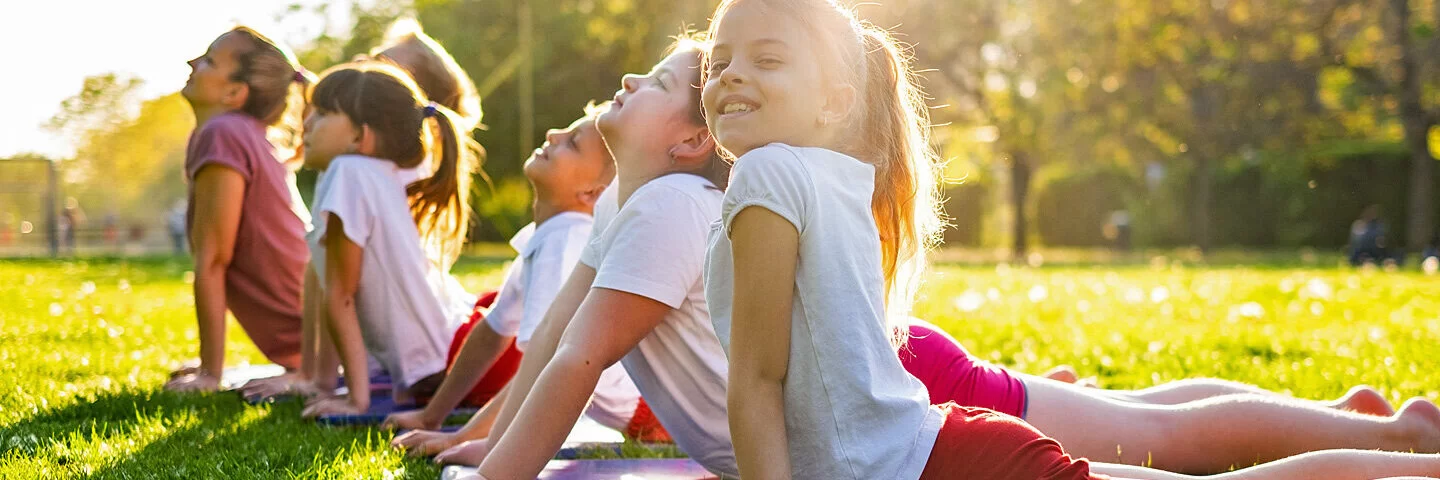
(197, 436)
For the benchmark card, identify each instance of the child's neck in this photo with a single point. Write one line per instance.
(628, 180)
(545, 209)
(203, 113)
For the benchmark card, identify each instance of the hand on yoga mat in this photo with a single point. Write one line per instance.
(424, 443)
(410, 420)
(290, 383)
(466, 453)
(195, 382)
(335, 406)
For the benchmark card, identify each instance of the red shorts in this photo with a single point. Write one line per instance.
(952, 375)
(500, 373)
(644, 427)
(975, 443)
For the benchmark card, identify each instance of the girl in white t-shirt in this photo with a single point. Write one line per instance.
(809, 288)
(568, 174)
(636, 297)
(381, 246)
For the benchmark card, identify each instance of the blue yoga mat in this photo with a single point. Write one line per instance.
(631, 469)
(381, 404)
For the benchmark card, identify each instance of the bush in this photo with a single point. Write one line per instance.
(1073, 204)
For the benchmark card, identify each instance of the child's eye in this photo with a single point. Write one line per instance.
(769, 62)
(718, 66)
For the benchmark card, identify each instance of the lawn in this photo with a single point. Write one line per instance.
(85, 346)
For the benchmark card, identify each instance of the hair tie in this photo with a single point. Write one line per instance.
(300, 75)
(430, 110)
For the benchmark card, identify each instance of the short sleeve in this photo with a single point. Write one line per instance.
(509, 308)
(342, 193)
(773, 178)
(655, 247)
(219, 142)
(606, 208)
(547, 268)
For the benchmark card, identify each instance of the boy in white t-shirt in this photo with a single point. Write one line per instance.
(568, 174)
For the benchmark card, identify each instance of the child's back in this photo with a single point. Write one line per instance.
(877, 416)
(263, 281)
(408, 306)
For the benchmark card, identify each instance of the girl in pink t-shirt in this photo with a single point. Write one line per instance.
(246, 235)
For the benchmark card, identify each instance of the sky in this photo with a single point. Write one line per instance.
(52, 45)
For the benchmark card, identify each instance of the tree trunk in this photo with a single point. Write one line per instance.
(1204, 183)
(1204, 106)
(1420, 211)
(1019, 191)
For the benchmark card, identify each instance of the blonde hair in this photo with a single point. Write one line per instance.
(436, 72)
(889, 128)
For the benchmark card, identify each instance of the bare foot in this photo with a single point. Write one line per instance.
(1366, 400)
(1063, 373)
(1424, 418)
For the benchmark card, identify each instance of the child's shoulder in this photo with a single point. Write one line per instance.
(231, 124)
(780, 158)
(352, 164)
(678, 185)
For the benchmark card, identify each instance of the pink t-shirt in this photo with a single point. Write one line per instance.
(264, 282)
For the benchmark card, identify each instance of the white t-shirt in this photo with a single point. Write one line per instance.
(408, 308)
(851, 410)
(548, 253)
(655, 247)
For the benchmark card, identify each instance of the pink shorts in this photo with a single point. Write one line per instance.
(952, 375)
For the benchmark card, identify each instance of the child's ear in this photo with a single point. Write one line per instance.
(697, 147)
(590, 196)
(236, 94)
(365, 142)
(839, 101)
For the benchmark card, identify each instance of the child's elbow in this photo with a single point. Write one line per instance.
(214, 259)
(755, 374)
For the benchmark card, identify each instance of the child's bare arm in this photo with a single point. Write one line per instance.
(765, 247)
(342, 281)
(219, 193)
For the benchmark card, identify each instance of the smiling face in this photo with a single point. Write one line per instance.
(653, 112)
(764, 82)
(571, 160)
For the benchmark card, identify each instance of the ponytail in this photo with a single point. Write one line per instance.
(277, 85)
(386, 99)
(440, 203)
(889, 128)
(896, 130)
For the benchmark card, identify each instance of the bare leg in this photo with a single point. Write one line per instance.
(1360, 399)
(1324, 465)
(1210, 436)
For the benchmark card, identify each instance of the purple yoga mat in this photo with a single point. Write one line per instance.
(631, 469)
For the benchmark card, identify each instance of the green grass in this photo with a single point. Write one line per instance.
(85, 346)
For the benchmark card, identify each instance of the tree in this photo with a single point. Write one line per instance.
(1394, 55)
(132, 163)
